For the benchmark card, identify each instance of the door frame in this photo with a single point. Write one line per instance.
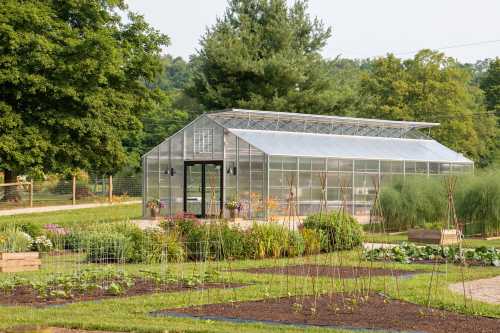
(203, 185)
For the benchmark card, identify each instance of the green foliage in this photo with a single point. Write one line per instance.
(263, 55)
(312, 240)
(431, 87)
(15, 240)
(71, 94)
(274, 241)
(478, 203)
(336, 230)
(125, 242)
(409, 252)
(413, 202)
(108, 247)
(490, 84)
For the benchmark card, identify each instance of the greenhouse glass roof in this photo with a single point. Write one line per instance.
(310, 123)
(348, 147)
(307, 135)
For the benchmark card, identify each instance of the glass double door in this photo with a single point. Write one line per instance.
(203, 188)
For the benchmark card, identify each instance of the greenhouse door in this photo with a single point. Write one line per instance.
(203, 188)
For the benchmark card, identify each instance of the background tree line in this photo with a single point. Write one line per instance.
(94, 91)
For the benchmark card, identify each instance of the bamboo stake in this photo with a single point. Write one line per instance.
(74, 190)
(31, 192)
(110, 189)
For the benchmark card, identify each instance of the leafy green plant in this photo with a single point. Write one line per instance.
(409, 252)
(341, 231)
(15, 240)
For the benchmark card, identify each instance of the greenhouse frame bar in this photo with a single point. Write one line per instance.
(259, 157)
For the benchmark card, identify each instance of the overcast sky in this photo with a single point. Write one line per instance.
(361, 28)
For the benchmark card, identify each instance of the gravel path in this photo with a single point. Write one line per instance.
(486, 290)
(17, 211)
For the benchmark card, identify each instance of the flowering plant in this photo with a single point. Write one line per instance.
(42, 244)
(233, 204)
(154, 203)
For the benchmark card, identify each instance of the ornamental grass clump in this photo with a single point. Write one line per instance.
(15, 240)
(413, 202)
(337, 230)
(478, 204)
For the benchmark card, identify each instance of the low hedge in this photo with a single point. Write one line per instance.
(336, 231)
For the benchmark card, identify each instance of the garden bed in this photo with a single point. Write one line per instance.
(27, 295)
(342, 311)
(344, 272)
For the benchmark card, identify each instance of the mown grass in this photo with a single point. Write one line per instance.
(133, 313)
(119, 212)
(403, 237)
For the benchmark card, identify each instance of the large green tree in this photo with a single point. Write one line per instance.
(72, 87)
(490, 84)
(263, 54)
(431, 87)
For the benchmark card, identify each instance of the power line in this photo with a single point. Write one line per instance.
(432, 48)
(454, 46)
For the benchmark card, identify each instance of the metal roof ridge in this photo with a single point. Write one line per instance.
(330, 117)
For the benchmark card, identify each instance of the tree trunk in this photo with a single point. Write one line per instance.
(10, 193)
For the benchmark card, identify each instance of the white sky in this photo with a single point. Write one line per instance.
(361, 28)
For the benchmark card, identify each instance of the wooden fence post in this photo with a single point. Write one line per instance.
(110, 188)
(31, 193)
(73, 186)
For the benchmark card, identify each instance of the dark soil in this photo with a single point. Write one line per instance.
(26, 295)
(337, 310)
(344, 272)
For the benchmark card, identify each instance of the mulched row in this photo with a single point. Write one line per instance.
(343, 272)
(342, 311)
(26, 295)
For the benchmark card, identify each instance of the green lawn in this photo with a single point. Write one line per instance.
(386, 238)
(79, 216)
(132, 314)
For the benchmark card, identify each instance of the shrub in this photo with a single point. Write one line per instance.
(341, 231)
(15, 240)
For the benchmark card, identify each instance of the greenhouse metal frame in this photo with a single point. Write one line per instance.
(262, 159)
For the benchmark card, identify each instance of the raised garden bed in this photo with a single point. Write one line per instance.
(342, 311)
(344, 272)
(19, 262)
(439, 237)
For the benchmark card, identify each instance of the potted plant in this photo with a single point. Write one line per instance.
(232, 206)
(154, 206)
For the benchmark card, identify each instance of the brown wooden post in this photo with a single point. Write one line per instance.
(31, 193)
(110, 187)
(74, 190)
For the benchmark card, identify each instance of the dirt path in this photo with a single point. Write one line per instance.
(486, 290)
(17, 211)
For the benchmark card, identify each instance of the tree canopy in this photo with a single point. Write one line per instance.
(431, 87)
(263, 54)
(72, 87)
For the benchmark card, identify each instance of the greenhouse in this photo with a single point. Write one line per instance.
(267, 160)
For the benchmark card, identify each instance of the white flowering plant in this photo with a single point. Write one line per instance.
(42, 244)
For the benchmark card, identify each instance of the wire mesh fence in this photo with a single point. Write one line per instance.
(70, 191)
